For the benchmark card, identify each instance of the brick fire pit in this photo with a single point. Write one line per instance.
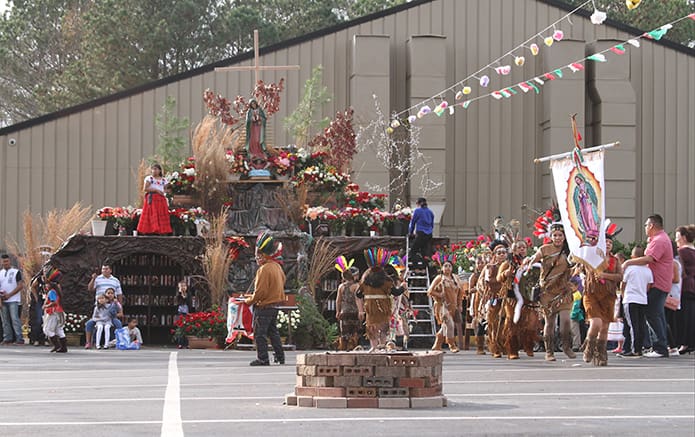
(369, 380)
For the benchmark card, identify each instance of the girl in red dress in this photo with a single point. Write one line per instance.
(155, 208)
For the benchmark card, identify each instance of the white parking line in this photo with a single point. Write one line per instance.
(255, 398)
(409, 418)
(171, 414)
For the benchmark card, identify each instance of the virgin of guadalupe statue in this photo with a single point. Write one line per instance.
(585, 202)
(255, 132)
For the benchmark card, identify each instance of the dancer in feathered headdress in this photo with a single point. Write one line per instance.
(599, 301)
(269, 293)
(377, 286)
(346, 304)
(447, 292)
(520, 323)
(556, 294)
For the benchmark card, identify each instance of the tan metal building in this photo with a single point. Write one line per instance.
(483, 155)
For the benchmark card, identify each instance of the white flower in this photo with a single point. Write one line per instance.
(189, 172)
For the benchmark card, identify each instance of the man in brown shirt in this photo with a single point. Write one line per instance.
(268, 295)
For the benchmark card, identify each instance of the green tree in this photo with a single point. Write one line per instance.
(58, 53)
(170, 150)
(649, 15)
(302, 121)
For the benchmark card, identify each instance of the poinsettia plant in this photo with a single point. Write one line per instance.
(208, 324)
(236, 245)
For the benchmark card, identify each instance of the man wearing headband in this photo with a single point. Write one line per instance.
(268, 295)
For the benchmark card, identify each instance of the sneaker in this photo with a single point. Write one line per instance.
(673, 351)
(88, 345)
(19, 342)
(98, 347)
(617, 350)
(106, 347)
(259, 363)
(629, 355)
(654, 354)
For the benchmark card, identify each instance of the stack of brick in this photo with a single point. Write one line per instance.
(369, 380)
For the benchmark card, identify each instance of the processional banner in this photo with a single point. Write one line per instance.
(580, 192)
(239, 320)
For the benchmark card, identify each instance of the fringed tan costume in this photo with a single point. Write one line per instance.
(491, 295)
(599, 303)
(375, 292)
(447, 293)
(511, 332)
(556, 297)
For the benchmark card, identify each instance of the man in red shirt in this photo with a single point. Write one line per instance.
(659, 258)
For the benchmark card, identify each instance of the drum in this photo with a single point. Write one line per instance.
(528, 280)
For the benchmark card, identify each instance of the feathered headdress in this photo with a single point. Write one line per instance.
(342, 264)
(53, 275)
(441, 257)
(508, 232)
(612, 229)
(398, 263)
(545, 221)
(377, 256)
(266, 244)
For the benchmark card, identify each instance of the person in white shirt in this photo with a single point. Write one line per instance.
(99, 284)
(11, 284)
(636, 282)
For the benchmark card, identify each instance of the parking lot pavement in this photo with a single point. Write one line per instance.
(170, 392)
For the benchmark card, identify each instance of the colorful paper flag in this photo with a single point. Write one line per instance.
(618, 50)
(598, 57)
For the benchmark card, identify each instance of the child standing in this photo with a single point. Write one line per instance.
(183, 307)
(102, 318)
(55, 316)
(346, 306)
(636, 280)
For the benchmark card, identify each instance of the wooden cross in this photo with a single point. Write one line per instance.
(256, 67)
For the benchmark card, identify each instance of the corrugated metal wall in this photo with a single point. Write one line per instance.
(90, 156)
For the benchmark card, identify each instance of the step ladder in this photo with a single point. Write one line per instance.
(424, 324)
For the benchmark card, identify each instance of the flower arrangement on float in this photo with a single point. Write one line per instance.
(181, 181)
(363, 199)
(283, 163)
(238, 162)
(322, 178)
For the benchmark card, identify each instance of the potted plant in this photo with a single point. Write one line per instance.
(74, 327)
(180, 183)
(99, 224)
(125, 218)
(204, 330)
(287, 323)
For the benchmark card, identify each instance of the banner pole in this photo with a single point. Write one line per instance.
(568, 154)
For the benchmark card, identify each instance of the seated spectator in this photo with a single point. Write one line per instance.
(134, 331)
(115, 310)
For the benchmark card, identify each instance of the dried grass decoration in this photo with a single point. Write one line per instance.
(293, 202)
(42, 236)
(322, 262)
(216, 259)
(210, 140)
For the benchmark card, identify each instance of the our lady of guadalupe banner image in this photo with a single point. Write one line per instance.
(580, 192)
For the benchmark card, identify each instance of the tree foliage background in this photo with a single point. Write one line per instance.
(59, 53)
